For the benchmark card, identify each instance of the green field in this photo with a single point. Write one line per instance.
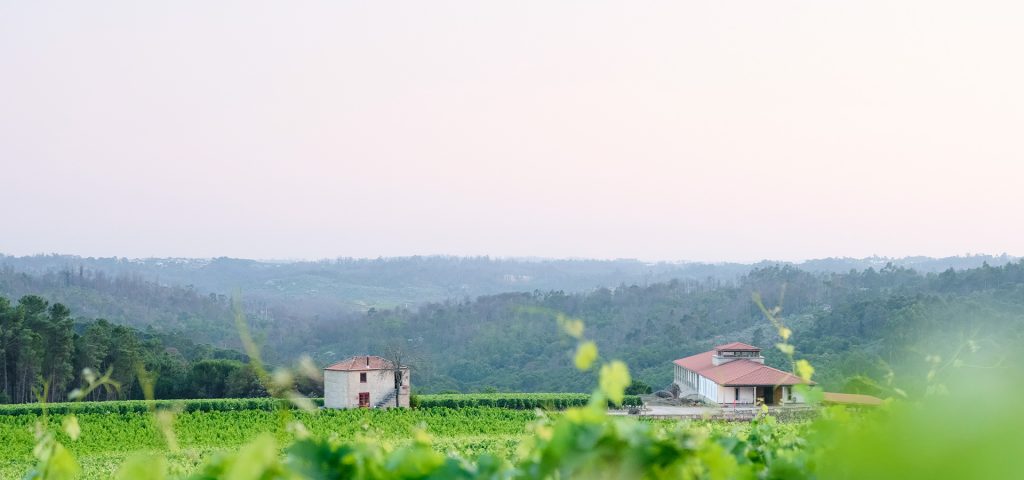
(937, 438)
(466, 425)
(108, 438)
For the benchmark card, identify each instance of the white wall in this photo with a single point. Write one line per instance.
(704, 386)
(342, 389)
(336, 389)
(728, 395)
(708, 388)
(379, 383)
(797, 397)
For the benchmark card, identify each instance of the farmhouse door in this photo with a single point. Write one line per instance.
(364, 400)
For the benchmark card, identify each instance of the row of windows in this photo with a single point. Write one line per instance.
(687, 376)
(708, 389)
(739, 353)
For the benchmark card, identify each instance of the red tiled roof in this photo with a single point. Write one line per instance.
(741, 372)
(361, 362)
(738, 346)
(698, 362)
(765, 375)
(851, 399)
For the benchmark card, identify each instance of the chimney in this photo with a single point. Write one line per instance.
(367, 360)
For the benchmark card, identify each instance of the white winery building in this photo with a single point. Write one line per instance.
(365, 381)
(735, 373)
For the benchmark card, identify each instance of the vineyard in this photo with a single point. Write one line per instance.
(218, 439)
(949, 433)
(465, 424)
(104, 437)
(900, 441)
(518, 401)
(547, 401)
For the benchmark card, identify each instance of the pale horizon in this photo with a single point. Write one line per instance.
(677, 131)
(523, 258)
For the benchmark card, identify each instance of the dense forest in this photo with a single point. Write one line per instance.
(42, 345)
(129, 299)
(860, 328)
(870, 324)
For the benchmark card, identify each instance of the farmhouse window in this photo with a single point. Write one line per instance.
(362, 377)
(737, 390)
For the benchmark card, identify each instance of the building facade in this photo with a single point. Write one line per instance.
(365, 381)
(735, 374)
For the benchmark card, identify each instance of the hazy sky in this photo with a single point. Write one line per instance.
(700, 130)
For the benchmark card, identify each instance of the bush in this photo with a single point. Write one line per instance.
(517, 401)
(141, 406)
(638, 387)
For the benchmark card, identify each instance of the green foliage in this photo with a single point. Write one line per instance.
(143, 406)
(586, 354)
(515, 401)
(638, 387)
(845, 324)
(613, 381)
(960, 432)
(870, 322)
(108, 438)
(487, 438)
(971, 431)
(41, 346)
(518, 401)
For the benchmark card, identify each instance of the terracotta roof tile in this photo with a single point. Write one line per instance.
(742, 372)
(361, 362)
(698, 362)
(724, 373)
(766, 375)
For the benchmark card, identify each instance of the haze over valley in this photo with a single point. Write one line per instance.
(479, 307)
(553, 240)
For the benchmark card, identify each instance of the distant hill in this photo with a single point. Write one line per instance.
(850, 316)
(328, 287)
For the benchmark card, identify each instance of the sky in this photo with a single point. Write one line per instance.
(678, 130)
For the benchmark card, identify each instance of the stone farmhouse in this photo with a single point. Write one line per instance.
(735, 374)
(365, 381)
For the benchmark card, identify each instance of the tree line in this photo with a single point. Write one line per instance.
(45, 354)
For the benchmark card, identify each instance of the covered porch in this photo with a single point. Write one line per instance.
(757, 395)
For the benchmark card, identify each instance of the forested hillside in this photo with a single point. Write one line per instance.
(43, 348)
(865, 323)
(307, 288)
(848, 325)
(128, 299)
